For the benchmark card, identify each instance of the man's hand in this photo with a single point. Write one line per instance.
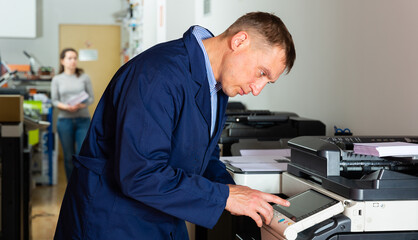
(243, 200)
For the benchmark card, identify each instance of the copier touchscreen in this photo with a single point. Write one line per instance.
(306, 209)
(305, 204)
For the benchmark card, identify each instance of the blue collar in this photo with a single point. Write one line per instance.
(200, 34)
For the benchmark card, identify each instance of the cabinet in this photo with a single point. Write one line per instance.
(15, 183)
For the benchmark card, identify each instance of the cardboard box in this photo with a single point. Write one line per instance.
(11, 108)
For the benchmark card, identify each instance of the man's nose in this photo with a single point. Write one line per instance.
(257, 87)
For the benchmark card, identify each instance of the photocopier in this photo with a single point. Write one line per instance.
(264, 129)
(336, 194)
(256, 130)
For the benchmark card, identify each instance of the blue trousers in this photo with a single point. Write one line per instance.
(72, 132)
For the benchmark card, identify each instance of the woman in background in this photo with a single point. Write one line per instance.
(71, 93)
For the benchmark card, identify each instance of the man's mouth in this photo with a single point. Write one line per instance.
(241, 92)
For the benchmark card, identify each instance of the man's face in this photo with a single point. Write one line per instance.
(249, 69)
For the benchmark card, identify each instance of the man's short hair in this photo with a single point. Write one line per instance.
(271, 28)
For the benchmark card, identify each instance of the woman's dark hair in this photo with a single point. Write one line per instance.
(78, 71)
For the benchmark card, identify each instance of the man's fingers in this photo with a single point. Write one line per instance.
(283, 202)
(275, 199)
(257, 219)
(266, 211)
(253, 203)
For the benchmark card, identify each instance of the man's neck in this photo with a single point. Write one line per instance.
(216, 47)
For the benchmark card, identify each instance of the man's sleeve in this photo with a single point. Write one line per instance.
(216, 170)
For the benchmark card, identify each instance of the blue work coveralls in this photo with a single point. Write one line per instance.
(148, 162)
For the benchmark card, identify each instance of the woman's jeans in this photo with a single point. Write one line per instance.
(72, 132)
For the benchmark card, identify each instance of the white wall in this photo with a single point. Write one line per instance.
(180, 16)
(53, 13)
(356, 61)
(150, 23)
(355, 66)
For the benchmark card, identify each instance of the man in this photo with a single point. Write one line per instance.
(150, 159)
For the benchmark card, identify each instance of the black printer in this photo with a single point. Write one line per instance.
(263, 128)
(379, 194)
(254, 129)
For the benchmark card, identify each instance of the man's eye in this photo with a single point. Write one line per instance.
(262, 73)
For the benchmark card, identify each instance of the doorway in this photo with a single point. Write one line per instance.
(100, 46)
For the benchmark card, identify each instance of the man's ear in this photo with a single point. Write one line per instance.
(239, 40)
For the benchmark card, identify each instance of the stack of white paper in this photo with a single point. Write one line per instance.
(257, 163)
(79, 98)
(385, 149)
(285, 152)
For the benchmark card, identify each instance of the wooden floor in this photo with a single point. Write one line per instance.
(46, 202)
